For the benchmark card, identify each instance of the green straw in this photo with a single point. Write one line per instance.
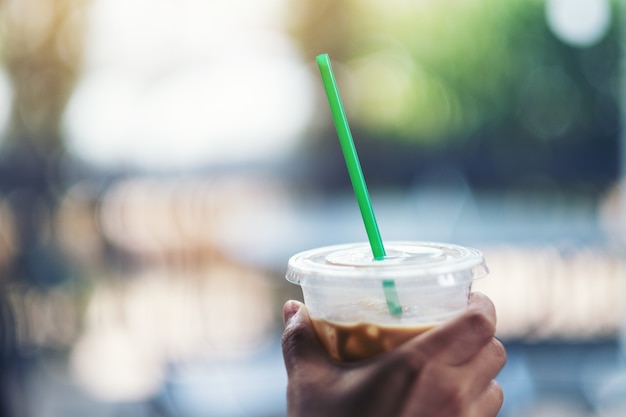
(356, 175)
(351, 157)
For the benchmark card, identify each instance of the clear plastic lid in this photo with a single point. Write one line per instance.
(418, 262)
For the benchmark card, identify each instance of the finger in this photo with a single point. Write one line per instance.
(484, 367)
(290, 308)
(444, 390)
(299, 342)
(460, 339)
(478, 298)
(473, 377)
(489, 403)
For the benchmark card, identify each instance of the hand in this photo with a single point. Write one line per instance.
(447, 371)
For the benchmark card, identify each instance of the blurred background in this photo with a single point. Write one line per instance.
(160, 161)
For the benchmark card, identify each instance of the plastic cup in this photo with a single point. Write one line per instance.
(343, 288)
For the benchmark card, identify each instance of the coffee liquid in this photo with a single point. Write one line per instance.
(358, 341)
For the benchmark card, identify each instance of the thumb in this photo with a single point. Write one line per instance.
(300, 343)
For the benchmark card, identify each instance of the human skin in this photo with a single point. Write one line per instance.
(447, 371)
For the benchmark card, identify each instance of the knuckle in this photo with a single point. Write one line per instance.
(499, 352)
(498, 393)
(413, 361)
(497, 389)
(412, 358)
(449, 393)
(481, 325)
(455, 403)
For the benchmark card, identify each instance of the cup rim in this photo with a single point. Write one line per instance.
(454, 265)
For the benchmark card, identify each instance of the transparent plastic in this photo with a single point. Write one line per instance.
(345, 284)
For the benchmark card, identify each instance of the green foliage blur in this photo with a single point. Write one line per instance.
(485, 76)
(431, 71)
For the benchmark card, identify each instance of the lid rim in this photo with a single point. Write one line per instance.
(471, 261)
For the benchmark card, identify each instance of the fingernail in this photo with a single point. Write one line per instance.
(290, 309)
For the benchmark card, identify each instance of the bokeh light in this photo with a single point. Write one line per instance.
(579, 22)
(133, 331)
(173, 90)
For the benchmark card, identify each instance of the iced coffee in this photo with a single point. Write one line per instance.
(354, 342)
(344, 289)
